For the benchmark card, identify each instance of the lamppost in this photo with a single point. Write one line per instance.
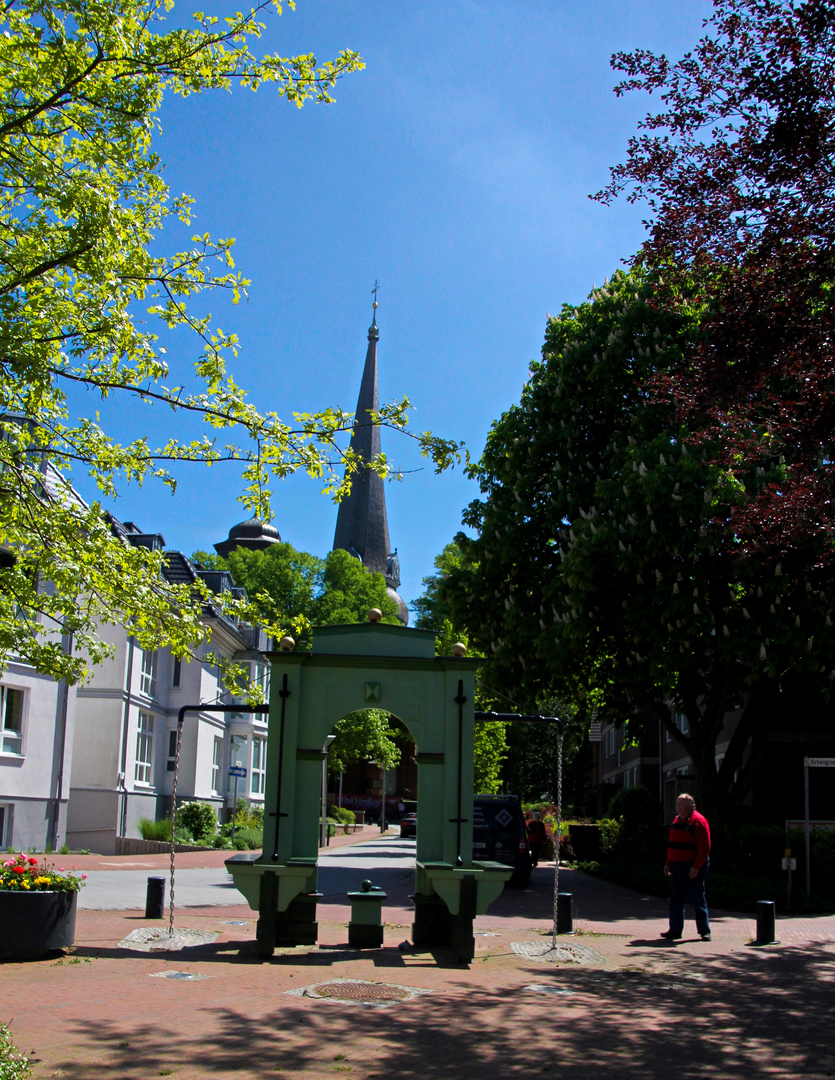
(383, 799)
(323, 828)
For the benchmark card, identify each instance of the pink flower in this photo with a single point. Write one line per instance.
(83, 877)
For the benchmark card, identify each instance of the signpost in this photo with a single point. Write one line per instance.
(236, 771)
(812, 763)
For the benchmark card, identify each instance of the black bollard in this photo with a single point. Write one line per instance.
(155, 898)
(765, 922)
(565, 913)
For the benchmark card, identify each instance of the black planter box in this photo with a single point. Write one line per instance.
(36, 922)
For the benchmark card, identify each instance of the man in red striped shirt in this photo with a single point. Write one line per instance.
(688, 851)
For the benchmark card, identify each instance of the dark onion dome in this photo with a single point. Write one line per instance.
(253, 534)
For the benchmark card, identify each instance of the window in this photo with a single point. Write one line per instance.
(5, 827)
(144, 748)
(148, 675)
(172, 751)
(177, 672)
(259, 755)
(217, 758)
(11, 720)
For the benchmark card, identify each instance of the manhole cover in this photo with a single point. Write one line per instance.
(543, 952)
(360, 992)
(157, 939)
(183, 976)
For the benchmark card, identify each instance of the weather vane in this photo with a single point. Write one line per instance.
(374, 292)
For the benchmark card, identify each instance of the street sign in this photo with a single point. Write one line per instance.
(237, 770)
(820, 762)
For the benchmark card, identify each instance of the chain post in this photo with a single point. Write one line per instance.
(557, 841)
(173, 813)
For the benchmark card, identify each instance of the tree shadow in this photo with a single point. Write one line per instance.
(749, 1014)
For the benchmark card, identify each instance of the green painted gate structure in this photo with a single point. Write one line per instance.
(393, 668)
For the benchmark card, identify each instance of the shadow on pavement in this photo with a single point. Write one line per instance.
(752, 1015)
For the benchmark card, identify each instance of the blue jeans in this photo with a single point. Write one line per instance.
(684, 888)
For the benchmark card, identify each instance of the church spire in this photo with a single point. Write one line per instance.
(362, 523)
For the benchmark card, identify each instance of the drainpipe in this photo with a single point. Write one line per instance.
(123, 814)
(63, 710)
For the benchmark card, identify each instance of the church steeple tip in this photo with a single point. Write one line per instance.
(373, 332)
(362, 522)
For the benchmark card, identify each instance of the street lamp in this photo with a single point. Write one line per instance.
(323, 828)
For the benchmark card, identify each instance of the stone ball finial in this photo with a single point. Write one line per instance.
(375, 615)
(366, 886)
(287, 644)
(459, 649)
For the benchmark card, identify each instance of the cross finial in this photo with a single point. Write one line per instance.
(374, 294)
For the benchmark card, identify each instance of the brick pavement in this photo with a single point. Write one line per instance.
(637, 1007)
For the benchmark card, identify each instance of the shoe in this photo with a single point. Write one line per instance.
(670, 936)
(707, 937)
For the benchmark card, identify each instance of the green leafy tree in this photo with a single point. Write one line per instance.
(85, 303)
(595, 571)
(433, 611)
(283, 585)
(349, 592)
(365, 735)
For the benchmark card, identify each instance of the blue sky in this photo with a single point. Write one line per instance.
(456, 170)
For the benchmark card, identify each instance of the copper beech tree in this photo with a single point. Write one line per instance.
(737, 170)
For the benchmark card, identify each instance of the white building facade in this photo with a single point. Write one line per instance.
(126, 730)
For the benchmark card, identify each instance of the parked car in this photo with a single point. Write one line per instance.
(408, 826)
(499, 835)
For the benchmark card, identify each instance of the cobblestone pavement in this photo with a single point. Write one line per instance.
(621, 1002)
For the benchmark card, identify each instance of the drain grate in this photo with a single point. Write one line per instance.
(357, 991)
(157, 939)
(360, 992)
(182, 976)
(562, 954)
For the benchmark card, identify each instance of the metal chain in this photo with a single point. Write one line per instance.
(557, 841)
(173, 813)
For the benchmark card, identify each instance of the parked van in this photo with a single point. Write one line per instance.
(499, 835)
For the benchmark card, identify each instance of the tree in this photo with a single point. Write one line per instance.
(737, 169)
(365, 735)
(349, 592)
(82, 206)
(283, 585)
(595, 574)
(433, 611)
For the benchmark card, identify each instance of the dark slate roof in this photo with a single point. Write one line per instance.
(178, 570)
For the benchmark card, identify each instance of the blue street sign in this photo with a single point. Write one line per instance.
(237, 770)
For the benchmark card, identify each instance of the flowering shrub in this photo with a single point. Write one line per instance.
(22, 873)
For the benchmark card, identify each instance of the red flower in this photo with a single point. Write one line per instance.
(18, 870)
(33, 862)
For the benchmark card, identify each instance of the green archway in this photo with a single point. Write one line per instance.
(357, 667)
